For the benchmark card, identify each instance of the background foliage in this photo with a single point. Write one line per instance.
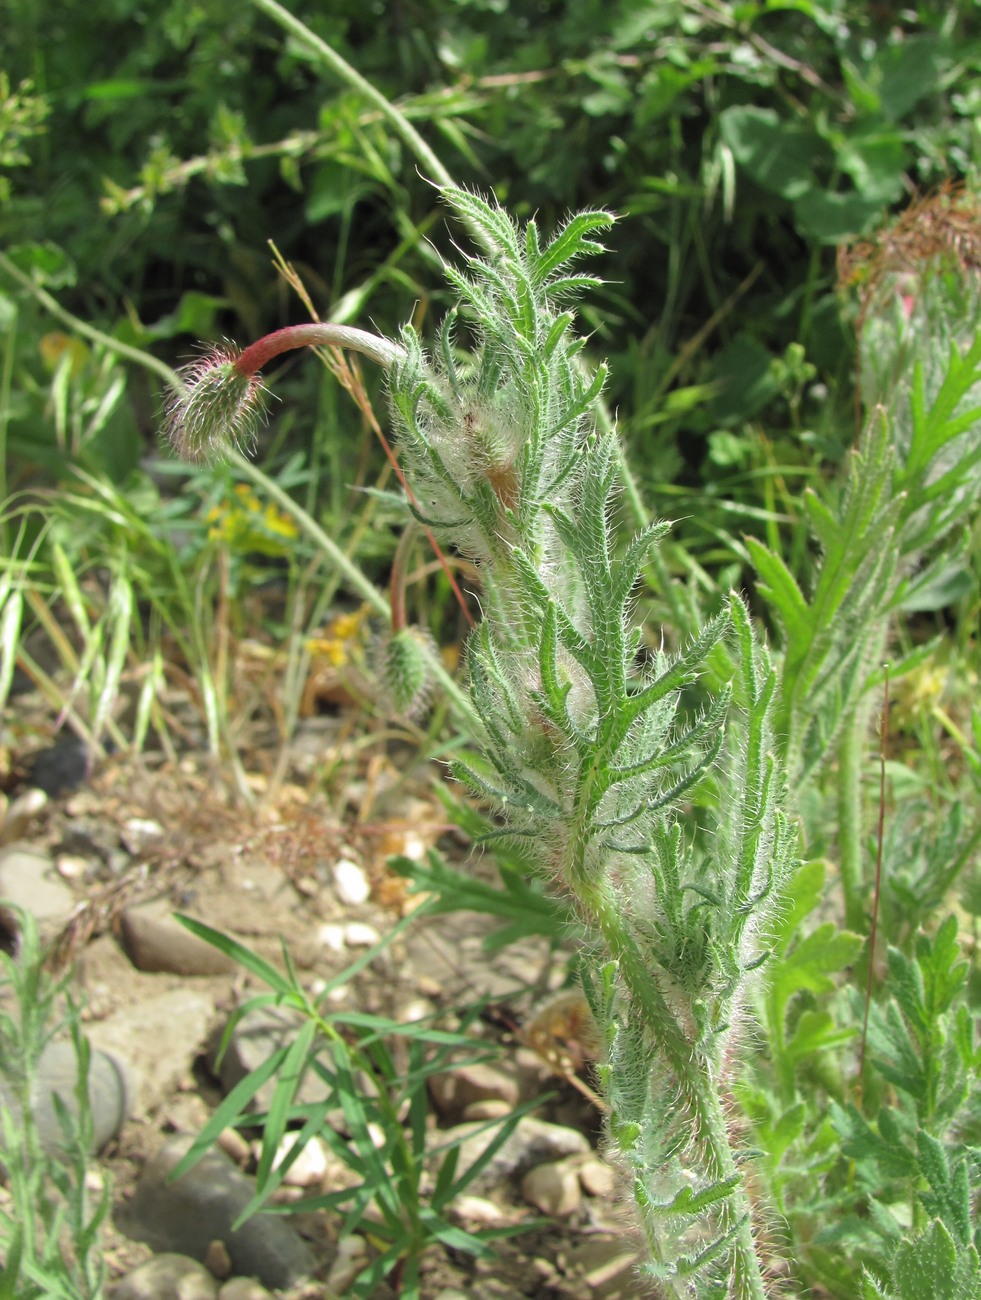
(740, 141)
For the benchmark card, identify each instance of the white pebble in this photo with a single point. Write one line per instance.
(350, 883)
(71, 866)
(414, 847)
(15, 819)
(331, 937)
(310, 1166)
(358, 934)
(139, 833)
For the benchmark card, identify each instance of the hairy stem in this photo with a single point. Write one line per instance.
(316, 335)
(697, 1075)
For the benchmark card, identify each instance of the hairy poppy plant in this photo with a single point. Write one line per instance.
(590, 760)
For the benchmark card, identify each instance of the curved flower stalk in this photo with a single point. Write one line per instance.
(221, 403)
(589, 758)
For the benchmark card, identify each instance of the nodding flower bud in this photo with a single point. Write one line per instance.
(218, 409)
(220, 402)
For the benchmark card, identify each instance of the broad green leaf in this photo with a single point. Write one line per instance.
(45, 263)
(876, 163)
(830, 218)
(777, 153)
(802, 898)
(811, 963)
(816, 1032)
(906, 71)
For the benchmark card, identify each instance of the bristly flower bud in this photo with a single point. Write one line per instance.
(220, 404)
(405, 669)
(219, 408)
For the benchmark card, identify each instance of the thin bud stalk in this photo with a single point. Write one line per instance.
(220, 403)
(258, 355)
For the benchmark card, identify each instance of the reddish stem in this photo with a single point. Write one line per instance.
(381, 350)
(259, 354)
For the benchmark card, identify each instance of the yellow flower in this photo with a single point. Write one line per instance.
(244, 525)
(337, 642)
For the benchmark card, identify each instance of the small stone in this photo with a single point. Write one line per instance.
(15, 818)
(62, 766)
(415, 1010)
(109, 1087)
(553, 1188)
(607, 1265)
(139, 834)
(256, 1036)
(167, 1277)
(243, 1288)
(217, 1260)
(485, 1110)
(597, 1177)
(234, 1145)
(350, 883)
(154, 941)
(494, 1289)
(533, 1142)
(309, 1168)
(477, 1211)
(350, 1259)
(28, 880)
(456, 1089)
(72, 866)
(358, 934)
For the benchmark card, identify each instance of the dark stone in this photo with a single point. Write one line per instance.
(191, 1212)
(61, 767)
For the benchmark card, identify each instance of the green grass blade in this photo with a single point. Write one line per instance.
(259, 967)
